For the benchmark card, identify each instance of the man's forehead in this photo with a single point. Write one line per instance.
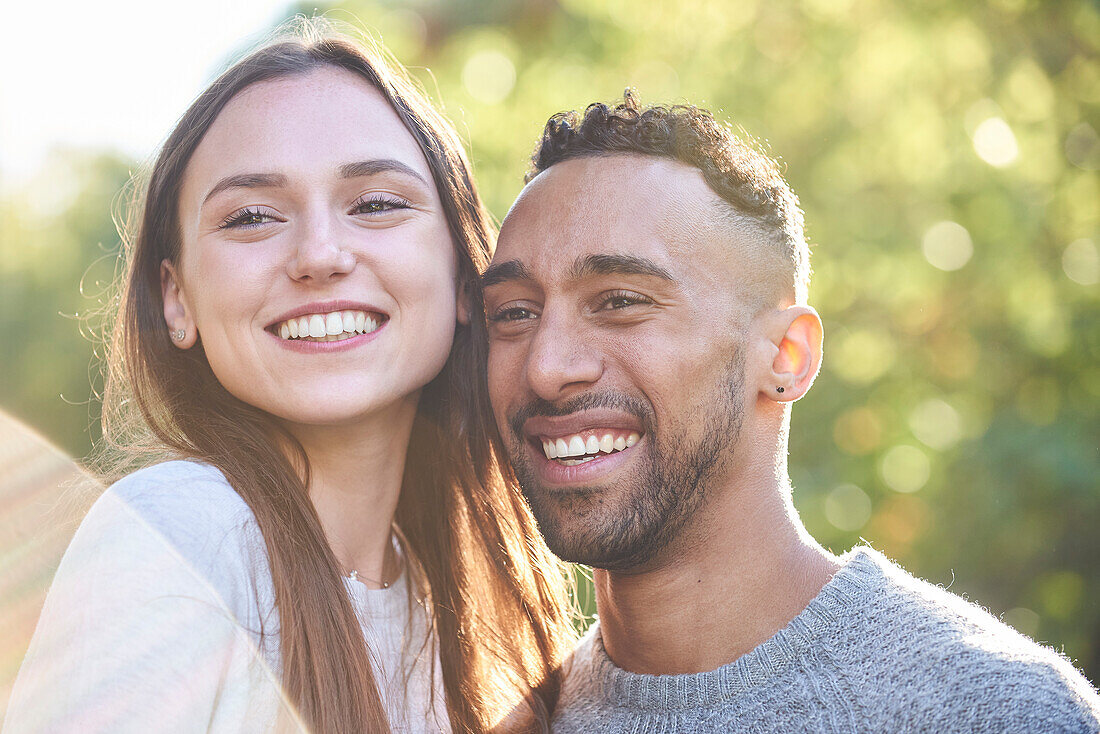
(621, 206)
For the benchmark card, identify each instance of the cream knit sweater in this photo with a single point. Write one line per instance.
(154, 620)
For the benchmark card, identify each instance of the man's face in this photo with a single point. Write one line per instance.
(618, 302)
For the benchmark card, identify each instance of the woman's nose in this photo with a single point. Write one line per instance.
(318, 254)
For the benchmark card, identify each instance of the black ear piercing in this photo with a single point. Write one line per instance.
(779, 389)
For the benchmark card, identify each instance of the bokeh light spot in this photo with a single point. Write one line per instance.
(848, 507)
(863, 356)
(900, 520)
(857, 431)
(947, 245)
(489, 76)
(995, 143)
(905, 468)
(936, 424)
(1081, 262)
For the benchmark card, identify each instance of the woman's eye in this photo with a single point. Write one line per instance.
(247, 218)
(378, 205)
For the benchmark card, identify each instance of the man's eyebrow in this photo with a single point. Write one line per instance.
(590, 265)
(380, 165)
(505, 271)
(246, 181)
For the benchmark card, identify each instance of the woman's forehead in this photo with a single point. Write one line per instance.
(303, 124)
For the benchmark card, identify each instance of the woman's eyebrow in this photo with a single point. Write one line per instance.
(246, 181)
(348, 170)
(379, 165)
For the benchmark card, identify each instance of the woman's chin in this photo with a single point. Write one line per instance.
(343, 412)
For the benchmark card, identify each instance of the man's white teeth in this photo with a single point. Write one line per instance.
(334, 326)
(577, 450)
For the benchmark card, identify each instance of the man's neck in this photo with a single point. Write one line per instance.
(743, 572)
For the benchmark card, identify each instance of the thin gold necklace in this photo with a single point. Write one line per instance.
(356, 576)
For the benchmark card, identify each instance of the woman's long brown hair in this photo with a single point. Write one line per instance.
(498, 597)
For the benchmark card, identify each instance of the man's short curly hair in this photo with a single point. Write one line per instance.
(747, 179)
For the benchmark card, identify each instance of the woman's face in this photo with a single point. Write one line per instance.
(316, 262)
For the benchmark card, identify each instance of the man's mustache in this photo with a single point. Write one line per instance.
(585, 401)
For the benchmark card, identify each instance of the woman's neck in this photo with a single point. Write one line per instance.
(355, 481)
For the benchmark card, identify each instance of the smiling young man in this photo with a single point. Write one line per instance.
(648, 332)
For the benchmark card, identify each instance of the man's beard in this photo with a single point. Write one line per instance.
(624, 528)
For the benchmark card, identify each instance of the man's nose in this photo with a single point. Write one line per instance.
(562, 360)
(319, 254)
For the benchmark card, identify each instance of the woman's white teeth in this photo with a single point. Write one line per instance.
(577, 450)
(334, 326)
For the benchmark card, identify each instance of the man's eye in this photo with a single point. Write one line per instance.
(622, 299)
(246, 218)
(515, 313)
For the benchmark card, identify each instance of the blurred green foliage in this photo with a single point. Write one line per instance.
(946, 156)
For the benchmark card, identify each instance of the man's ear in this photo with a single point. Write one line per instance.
(462, 307)
(796, 335)
(177, 314)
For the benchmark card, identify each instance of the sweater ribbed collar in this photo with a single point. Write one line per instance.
(863, 569)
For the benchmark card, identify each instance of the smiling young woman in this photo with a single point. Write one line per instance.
(330, 546)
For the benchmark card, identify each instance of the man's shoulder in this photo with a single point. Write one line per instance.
(921, 647)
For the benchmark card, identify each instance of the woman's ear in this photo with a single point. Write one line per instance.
(796, 335)
(177, 315)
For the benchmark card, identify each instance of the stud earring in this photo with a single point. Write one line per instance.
(179, 335)
(779, 389)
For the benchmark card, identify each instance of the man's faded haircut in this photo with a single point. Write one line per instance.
(747, 179)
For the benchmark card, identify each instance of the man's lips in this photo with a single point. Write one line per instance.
(581, 421)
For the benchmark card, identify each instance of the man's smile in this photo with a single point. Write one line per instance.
(598, 440)
(579, 448)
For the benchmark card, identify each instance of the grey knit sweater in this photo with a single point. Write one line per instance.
(876, 651)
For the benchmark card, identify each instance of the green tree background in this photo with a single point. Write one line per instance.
(946, 156)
